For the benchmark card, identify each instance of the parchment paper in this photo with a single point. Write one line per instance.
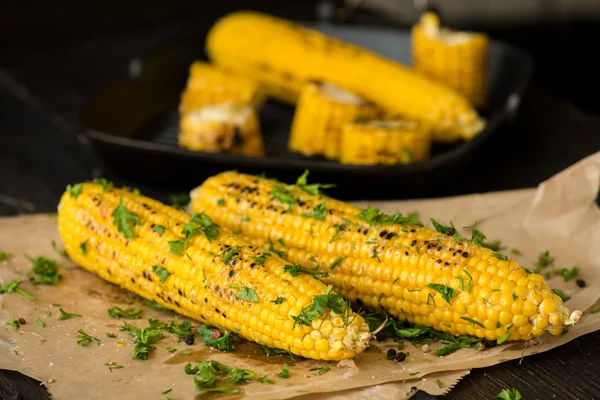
(560, 216)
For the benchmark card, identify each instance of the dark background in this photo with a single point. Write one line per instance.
(56, 55)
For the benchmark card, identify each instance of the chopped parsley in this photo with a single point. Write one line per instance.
(177, 247)
(265, 379)
(14, 323)
(515, 297)
(106, 184)
(283, 195)
(563, 296)
(114, 366)
(83, 248)
(207, 372)
(65, 315)
(13, 287)
(446, 292)
(503, 338)
(544, 260)
(220, 340)
(46, 271)
(4, 255)
(439, 383)
(221, 202)
(84, 338)
(295, 270)
(260, 260)
(206, 225)
(470, 280)
(285, 372)
(320, 370)
(186, 352)
(413, 373)
(183, 330)
(515, 251)
(75, 190)
(281, 242)
(111, 335)
(57, 250)
(171, 349)
(375, 218)
(509, 394)
(144, 338)
(500, 256)
(278, 300)
(269, 351)
(566, 273)
(124, 219)
(594, 311)
(332, 301)
(228, 255)
(161, 272)
(474, 322)
(318, 213)
(247, 294)
(159, 229)
(444, 229)
(314, 188)
(337, 261)
(128, 313)
(478, 238)
(40, 322)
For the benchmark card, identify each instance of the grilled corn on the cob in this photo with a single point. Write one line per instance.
(222, 127)
(321, 113)
(189, 265)
(284, 56)
(208, 84)
(389, 141)
(389, 263)
(458, 59)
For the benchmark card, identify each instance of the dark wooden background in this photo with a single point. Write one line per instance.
(55, 57)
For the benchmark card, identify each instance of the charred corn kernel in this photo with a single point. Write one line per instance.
(455, 58)
(208, 84)
(284, 57)
(222, 127)
(389, 141)
(402, 268)
(322, 112)
(229, 289)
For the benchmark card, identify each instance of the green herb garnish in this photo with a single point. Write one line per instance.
(65, 315)
(178, 200)
(128, 313)
(221, 202)
(13, 287)
(14, 323)
(182, 330)
(40, 322)
(260, 260)
(106, 184)
(278, 300)
(144, 338)
(319, 212)
(285, 372)
(217, 339)
(509, 394)
(46, 271)
(247, 294)
(75, 190)
(159, 229)
(295, 270)
(320, 370)
(84, 338)
(471, 320)
(161, 272)
(177, 247)
(446, 292)
(124, 219)
(314, 188)
(336, 261)
(4, 255)
(563, 296)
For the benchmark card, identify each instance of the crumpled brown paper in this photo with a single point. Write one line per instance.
(560, 216)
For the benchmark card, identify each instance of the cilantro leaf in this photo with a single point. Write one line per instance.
(247, 294)
(75, 190)
(183, 330)
(544, 260)
(159, 229)
(509, 394)
(368, 214)
(106, 184)
(124, 219)
(161, 272)
(285, 372)
(500, 256)
(278, 300)
(314, 188)
(177, 247)
(228, 255)
(446, 292)
(503, 338)
(260, 260)
(318, 213)
(4, 255)
(265, 379)
(566, 273)
(217, 339)
(283, 196)
(144, 338)
(14, 323)
(207, 226)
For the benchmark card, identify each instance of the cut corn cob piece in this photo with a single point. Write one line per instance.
(389, 141)
(457, 59)
(284, 56)
(206, 273)
(414, 273)
(222, 128)
(321, 113)
(208, 84)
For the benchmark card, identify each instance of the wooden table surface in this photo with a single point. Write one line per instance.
(43, 85)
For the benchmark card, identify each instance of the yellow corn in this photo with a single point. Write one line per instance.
(321, 113)
(284, 56)
(208, 84)
(221, 128)
(411, 272)
(211, 280)
(387, 141)
(458, 59)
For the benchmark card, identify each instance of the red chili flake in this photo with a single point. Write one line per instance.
(217, 334)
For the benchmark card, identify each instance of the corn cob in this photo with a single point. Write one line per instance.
(388, 263)
(221, 128)
(208, 84)
(284, 56)
(387, 141)
(458, 59)
(193, 267)
(321, 113)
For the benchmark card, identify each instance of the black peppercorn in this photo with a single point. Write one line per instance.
(580, 283)
(489, 343)
(380, 336)
(391, 354)
(400, 357)
(189, 340)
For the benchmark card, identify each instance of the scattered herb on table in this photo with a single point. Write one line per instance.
(14, 323)
(115, 366)
(46, 271)
(128, 313)
(509, 394)
(65, 315)
(285, 372)
(544, 260)
(13, 287)
(218, 339)
(40, 322)
(566, 273)
(439, 383)
(183, 331)
(111, 335)
(515, 251)
(207, 372)
(320, 370)
(265, 379)
(563, 296)
(413, 373)
(4, 255)
(84, 338)
(144, 338)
